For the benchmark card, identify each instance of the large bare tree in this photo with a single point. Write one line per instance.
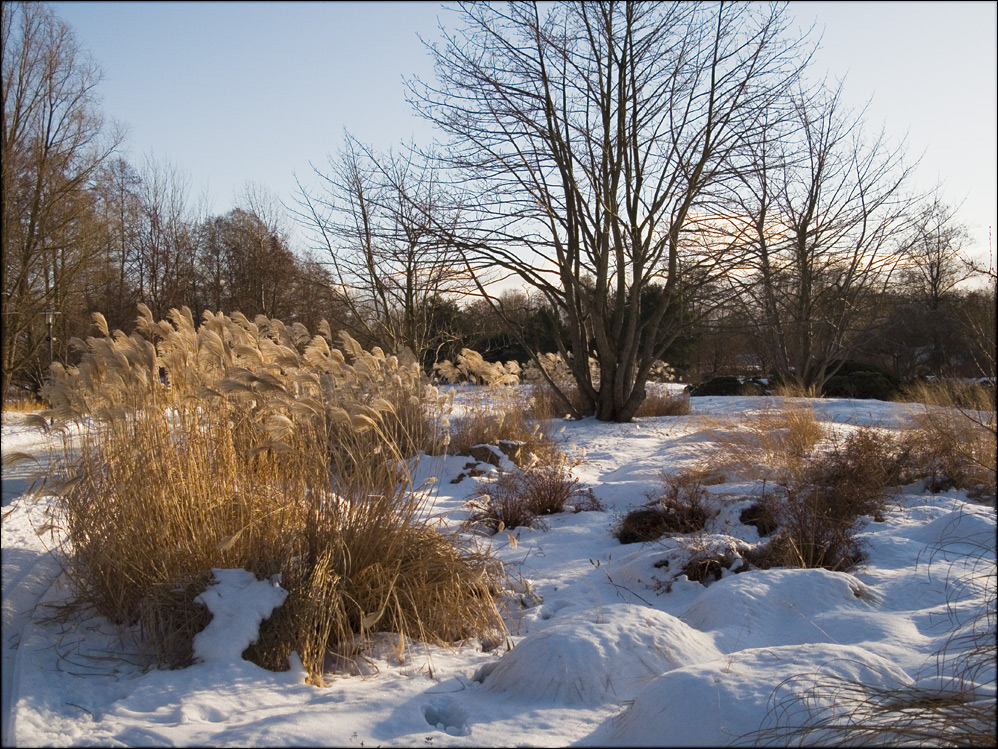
(588, 139)
(825, 210)
(54, 140)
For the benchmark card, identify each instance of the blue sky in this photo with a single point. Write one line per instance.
(237, 92)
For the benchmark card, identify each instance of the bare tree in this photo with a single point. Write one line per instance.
(588, 142)
(110, 288)
(166, 238)
(54, 140)
(936, 260)
(824, 210)
(373, 218)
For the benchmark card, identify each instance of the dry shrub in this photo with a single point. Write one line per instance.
(251, 445)
(708, 561)
(519, 496)
(760, 516)
(816, 506)
(682, 508)
(546, 404)
(956, 443)
(795, 390)
(662, 403)
(703, 558)
(772, 444)
(806, 536)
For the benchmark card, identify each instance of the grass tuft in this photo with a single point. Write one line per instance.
(518, 497)
(682, 508)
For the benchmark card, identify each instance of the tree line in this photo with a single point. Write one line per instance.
(617, 181)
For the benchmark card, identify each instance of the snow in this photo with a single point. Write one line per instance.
(608, 648)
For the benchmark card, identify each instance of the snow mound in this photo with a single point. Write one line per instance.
(591, 657)
(970, 526)
(728, 696)
(239, 603)
(763, 608)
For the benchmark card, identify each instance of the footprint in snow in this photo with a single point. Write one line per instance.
(447, 715)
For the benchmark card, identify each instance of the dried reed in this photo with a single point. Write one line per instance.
(255, 445)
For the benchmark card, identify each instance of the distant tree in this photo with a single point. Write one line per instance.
(166, 240)
(587, 139)
(246, 266)
(372, 219)
(119, 201)
(936, 260)
(54, 142)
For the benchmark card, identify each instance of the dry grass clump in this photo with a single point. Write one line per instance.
(251, 445)
(682, 508)
(662, 403)
(814, 508)
(796, 390)
(519, 496)
(26, 403)
(493, 416)
(956, 443)
(771, 445)
(545, 403)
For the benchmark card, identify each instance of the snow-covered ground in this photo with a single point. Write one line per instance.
(607, 652)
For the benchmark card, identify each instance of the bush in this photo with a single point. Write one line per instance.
(491, 416)
(956, 443)
(760, 516)
(859, 380)
(725, 385)
(519, 496)
(249, 445)
(868, 385)
(771, 445)
(682, 508)
(817, 505)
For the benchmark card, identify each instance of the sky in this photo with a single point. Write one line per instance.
(232, 93)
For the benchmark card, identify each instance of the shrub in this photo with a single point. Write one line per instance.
(682, 508)
(817, 504)
(519, 496)
(724, 385)
(491, 417)
(956, 442)
(760, 516)
(545, 404)
(869, 385)
(25, 402)
(703, 558)
(806, 537)
(251, 445)
(771, 445)
(859, 380)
